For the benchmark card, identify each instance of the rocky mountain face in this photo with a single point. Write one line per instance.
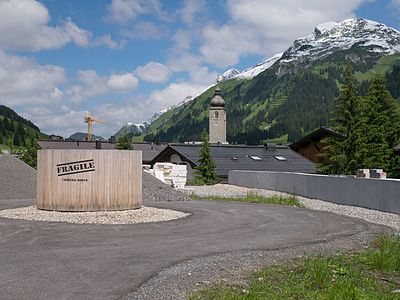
(131, 129)
(291, 93)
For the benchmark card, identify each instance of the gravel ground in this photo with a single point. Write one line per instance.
(370, 215)
(141, 215)
(17, 179)
(155, 190)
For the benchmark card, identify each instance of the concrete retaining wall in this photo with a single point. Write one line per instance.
(381, 194)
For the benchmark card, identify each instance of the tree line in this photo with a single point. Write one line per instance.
(370, 125)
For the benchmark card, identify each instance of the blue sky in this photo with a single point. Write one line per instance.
(124, 60)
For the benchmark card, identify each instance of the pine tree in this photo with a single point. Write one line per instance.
(382, 125)
(344, 154)
(17, 139)
(205, 171)
(124, 143)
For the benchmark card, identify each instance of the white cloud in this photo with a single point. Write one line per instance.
(57, 120)
(123, 11)
(266, 27)
(224, 45)
(24, 26)
(396, 3)
(172, 94)
(145, 30)
(91, 85)
(23, 81)
(79, 36)
(122, 83)
(153, 72)
(191, 9)
(106, 40)
(182, 39)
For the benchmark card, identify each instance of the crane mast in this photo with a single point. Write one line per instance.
(90, 120)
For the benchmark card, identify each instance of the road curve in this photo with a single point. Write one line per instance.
(48, 260)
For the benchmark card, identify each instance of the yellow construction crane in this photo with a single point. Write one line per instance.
(90, 120)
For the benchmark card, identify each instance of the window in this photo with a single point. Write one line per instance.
(216, 115)
(255, 157)
(280, 158)
(234, 158)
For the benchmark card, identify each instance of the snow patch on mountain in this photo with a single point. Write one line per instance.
(330, 37)
(231, 73)
(261, 67)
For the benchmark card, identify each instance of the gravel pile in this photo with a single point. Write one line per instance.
(370, 215)
(155, 190)
(141, 215)
(17, 179)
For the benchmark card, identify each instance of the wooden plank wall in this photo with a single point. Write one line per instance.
(114, 184)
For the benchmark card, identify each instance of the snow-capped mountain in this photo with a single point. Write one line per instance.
(261, 67)
(330, 37)
(231, 73)
(326, 39)
(131, 129)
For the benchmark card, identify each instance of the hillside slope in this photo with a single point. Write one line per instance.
(16, 129)
(294, 94)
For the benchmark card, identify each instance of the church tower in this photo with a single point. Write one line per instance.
(217, 118)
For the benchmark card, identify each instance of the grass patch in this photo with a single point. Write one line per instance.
(371, 274)
(254, 198)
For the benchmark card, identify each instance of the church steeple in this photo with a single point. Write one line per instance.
(217, 118)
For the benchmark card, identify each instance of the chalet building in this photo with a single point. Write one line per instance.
(311, 146)
(238, 157)
(233, 157)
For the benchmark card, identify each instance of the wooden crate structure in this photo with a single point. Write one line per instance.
(89, 180)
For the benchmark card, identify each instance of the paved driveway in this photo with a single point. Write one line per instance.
(43, 260)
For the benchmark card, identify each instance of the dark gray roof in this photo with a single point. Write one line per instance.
(315, 136)
(149, 150)
(63, 144)
(238, 157)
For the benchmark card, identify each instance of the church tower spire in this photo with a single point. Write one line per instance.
(217, 118)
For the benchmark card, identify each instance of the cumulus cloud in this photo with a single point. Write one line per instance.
(123, 11)
(91, 85)
(153, 72)
(223, 45)
(122, 83)
(190, 10)
(172, 94)
(266, 27)
(23, 81)
(24, 26)
(145, 30)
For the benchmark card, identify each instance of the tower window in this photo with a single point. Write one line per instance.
(216, 115)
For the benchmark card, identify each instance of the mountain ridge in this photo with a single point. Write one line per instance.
(258, 108)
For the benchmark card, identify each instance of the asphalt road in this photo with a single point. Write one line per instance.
(43, 260)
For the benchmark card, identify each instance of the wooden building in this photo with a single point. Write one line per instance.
(311, 146)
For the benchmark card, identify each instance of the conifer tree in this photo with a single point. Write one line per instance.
(344, 154)
(382, 126)
(205, 171)
(124, 143)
